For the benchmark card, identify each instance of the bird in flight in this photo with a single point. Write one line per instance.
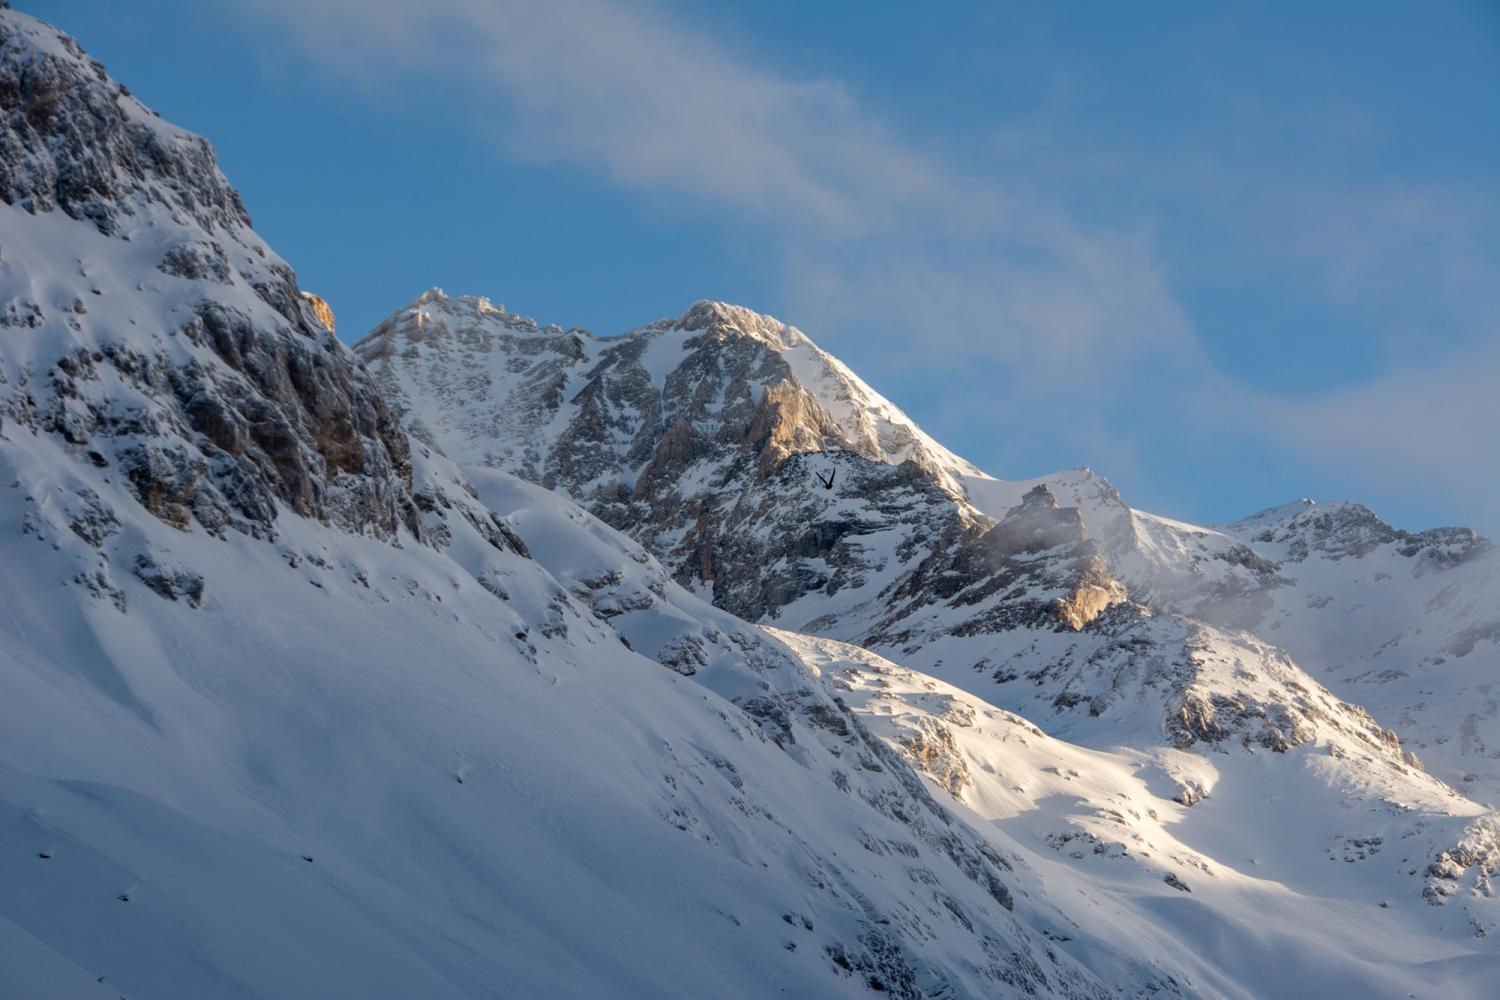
(827, 483)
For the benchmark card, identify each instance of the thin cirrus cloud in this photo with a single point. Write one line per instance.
(626, 93)
(906, 260)
(659, 108)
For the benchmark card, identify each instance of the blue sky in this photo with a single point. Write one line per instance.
(1225, 254)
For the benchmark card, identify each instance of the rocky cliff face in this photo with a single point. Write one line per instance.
(176, 350)
(755, 465)
(1036, 568)
(321, 309)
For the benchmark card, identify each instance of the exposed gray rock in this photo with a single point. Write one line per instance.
(259, 409)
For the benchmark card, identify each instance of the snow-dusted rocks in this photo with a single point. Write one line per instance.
(1235, 857)
(753, 464)
(152, 331)
(1036, 568)
(473, 377)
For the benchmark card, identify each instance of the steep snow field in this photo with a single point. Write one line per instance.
(497, 797)
(1241, 880)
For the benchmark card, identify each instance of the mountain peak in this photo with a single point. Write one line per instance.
(1280, 512)
(727, 319)
(1038, 496)
(78, 141)
(435, 297)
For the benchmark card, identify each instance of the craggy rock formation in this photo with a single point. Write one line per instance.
(1037, 567)
(218, 394)
(710, 439)
(321, 309)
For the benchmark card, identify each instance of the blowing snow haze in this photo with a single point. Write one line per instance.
(476, 656)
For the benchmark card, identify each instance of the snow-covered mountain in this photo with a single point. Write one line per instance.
(710, 438)
(1406, 624)
(428, 668)
(290, 712)
(1200, 659)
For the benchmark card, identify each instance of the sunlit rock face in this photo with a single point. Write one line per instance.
(321, 309)
(1048, 547)
(704, 437)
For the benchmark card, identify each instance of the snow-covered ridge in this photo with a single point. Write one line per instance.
(470, 334)
(289, 711)
(1141, 636)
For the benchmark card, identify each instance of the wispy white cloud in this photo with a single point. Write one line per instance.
(629, 94)
(667, 110)
(950, 265)
(1411, 256)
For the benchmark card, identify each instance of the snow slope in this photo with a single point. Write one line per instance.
(1280, 896)
(496, 795)
(1094, 829)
